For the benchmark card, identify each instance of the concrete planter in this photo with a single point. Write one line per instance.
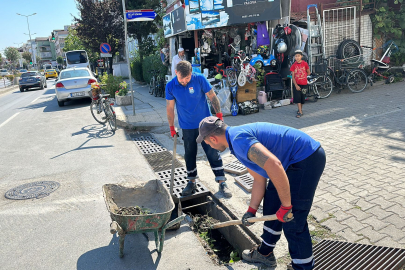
(123, 100)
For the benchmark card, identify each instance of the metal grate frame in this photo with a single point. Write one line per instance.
(235, 167)
(167, 173)
(148, 145)
(245, 181)
(162, 161)
(180, 183)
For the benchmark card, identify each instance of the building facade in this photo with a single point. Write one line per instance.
(45, 49)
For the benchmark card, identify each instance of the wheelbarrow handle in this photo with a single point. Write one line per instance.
(252, 219)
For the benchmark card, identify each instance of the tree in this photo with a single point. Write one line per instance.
(12, 54)
(73, 42)
(27, 56)
(100, 22)
(59, 60)
(141, 30)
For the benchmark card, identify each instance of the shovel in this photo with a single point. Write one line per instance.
(239, 222)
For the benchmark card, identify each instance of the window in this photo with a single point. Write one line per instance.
(74, 73)
(77, 58)
(28, 74)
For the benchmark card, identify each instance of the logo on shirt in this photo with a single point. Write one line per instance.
(191, 90)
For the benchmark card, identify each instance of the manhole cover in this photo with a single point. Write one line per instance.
(235, 167)
(245, 181)
(32, 190)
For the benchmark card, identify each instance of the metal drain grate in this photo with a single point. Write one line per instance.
(162, 161)
(245, 181)
(180, 183)
(32, 190)
(148, 145)
(337, 255)
(235, 167)
(167, 173)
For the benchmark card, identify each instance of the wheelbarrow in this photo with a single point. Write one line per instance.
(151, 195)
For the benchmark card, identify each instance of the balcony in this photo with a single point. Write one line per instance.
(45, 55)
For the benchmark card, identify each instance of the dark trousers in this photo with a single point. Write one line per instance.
(303, 177)
(190, 147)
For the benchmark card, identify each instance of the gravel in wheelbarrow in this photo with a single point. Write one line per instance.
(143, 207)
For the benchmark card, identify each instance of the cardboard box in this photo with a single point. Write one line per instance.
(246, 92)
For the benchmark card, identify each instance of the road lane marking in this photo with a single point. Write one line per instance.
(8, 120)
(35, 100)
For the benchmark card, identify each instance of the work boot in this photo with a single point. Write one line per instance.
(224, 190)
(188, 190)
(254, 256)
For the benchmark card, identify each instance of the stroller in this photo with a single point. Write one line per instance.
(382, 65)
(274, 86)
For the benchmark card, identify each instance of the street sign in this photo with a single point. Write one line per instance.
(105, 48)
(140, 15)
(105, 55)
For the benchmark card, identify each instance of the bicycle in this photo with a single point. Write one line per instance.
(160, 87)
(153, 81)
(349, 72)
(319, 86)
(101, 107)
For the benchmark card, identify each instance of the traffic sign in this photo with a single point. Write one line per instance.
(105, 48)
(105, 55)
(140, 15)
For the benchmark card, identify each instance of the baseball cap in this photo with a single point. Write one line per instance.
(180, 50)
(207, 126)
(298, 51)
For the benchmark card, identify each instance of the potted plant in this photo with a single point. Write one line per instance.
(121, 97)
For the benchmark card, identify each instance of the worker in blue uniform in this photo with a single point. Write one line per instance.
(294, 162)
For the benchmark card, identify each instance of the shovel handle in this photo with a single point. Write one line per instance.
(252, 219)
(173, 160)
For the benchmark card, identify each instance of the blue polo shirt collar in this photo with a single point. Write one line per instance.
(229, 140)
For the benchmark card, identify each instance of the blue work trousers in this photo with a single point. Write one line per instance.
(303, 177)
(190, 147)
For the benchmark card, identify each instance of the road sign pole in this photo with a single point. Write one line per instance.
(128, 60)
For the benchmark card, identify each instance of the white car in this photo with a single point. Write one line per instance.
(74, 83)
(4, 72)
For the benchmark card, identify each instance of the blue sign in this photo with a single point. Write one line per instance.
(140, 15)
(105, 48)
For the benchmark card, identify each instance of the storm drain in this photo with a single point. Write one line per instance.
(148, 145)
(245, 181)
(337, 255)
(167, 173)
(235, 167)
(180, 182)
(162, 161)
(32, 190)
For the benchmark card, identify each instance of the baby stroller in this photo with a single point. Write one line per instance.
(274, 86)
(382, 65)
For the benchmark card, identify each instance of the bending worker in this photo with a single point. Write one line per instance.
(294, 162)
(176, 59)
(188, 91)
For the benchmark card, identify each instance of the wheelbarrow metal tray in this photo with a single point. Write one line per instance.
(152, 195)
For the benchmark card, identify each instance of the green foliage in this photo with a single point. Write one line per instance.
(234, 257)
(10, 77)
(59, 60)
(147, 47)
(27, 56)
(389, 24)
(152, 62)
(12, 54)
(136, 70)
(112, 83)
(259, 75)
(74, 42)
(123, 89)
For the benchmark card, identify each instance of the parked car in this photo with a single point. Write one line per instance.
(51, 73)
(74, 83)
(32, 79)
(23, 70)
(4, 72)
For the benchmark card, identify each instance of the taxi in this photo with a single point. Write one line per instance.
(51, 73)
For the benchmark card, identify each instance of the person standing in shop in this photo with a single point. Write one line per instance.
(300, 71)
(176, 59)
(189, 92)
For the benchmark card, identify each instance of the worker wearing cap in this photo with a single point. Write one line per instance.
(294, 162)
(176, 59)
(189, 92)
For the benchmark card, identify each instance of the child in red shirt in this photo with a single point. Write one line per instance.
(300, 71)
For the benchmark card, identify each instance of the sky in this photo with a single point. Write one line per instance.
(51, 15)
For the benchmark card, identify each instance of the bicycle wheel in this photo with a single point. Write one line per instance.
(112, 118)
(152, 85)
(324, 86)
(231, 77)
(242, 79)
(357, 80)
(97, 110)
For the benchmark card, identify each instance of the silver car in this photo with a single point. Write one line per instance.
(74, 83)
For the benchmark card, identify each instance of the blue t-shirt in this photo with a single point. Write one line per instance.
(191, 101)
(288, 144)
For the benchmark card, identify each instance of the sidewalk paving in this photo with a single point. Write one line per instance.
(361, 195)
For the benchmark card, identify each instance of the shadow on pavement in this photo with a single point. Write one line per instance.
(95, 131)
(82, 148)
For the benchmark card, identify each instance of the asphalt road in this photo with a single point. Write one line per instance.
(69, 229)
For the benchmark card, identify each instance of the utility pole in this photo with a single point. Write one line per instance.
(34, 60)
